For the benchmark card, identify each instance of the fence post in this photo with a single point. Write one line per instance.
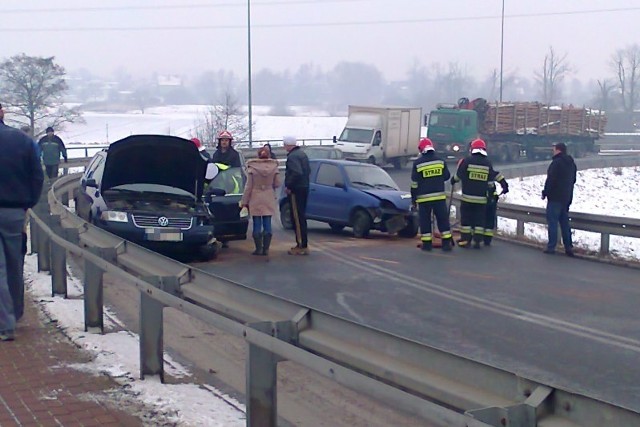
(151, 341)
(58, 261)
(605, 238)
(262, 382)
(519, 228)
(93, 295)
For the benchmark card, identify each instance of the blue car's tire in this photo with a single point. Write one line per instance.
(361, 224)
(285, 216)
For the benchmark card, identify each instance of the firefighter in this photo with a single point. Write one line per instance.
(475, 172)
(428, 177)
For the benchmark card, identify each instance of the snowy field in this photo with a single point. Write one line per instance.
(612, 192)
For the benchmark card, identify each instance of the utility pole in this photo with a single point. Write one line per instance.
(249, 77)
(501, 50)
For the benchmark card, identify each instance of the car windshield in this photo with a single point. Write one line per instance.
(370, 177)
(230, 180)
(357, 135)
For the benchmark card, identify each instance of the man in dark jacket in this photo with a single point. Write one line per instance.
(296, 183)
(475, 172)
(428, 176)
(558, 190)
(225, 153)
(21, 182)
(51, 148)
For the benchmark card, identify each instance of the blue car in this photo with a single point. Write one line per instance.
(357, 195)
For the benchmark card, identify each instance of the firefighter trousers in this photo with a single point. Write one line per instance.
(441, 212)
(472, 217)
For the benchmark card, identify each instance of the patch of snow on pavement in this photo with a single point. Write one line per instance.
(117, 355)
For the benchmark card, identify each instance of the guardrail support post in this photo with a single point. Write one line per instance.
(605, 238)
(151, 341)
(33, 236)
(262, 382)
(520, 228)
(93, 295)
(58, 262)
(44, 243)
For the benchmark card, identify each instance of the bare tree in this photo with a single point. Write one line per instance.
(554, 69)
(626, 64)
(227, 115)
(605, 88)
(34, 87)
(451, 83)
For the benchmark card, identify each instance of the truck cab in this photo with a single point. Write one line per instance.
(452, 129)
(361, 138)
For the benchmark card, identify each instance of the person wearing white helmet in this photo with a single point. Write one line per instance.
(428, 176)
(475, 172)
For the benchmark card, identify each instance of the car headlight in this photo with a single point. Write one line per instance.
(114, 216)
(456, 148)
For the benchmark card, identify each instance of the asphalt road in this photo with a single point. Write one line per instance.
(570, 323)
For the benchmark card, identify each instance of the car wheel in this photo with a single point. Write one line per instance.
(361, 224)
(285, 216)
(336, 228)
(411, 230)
(208, 252)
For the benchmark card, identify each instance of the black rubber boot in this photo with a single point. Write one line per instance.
(477, 239)
(258, 241)
(447, 244)
(426, 246)
(266, 243)
(487, 240)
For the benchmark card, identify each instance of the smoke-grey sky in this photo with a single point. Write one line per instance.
(191, 36)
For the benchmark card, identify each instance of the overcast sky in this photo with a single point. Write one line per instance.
(191, 36)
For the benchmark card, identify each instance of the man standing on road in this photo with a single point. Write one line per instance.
(51, 147)
(21, 182)
(296, 183)
(428, 176)
(558, 190)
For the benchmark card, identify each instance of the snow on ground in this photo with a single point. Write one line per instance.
(116, 353)
(612, 192)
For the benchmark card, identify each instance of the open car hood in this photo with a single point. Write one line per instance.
(155, 159)
(400, 199)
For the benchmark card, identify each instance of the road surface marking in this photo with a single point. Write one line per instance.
(343, 303)
(380, 260)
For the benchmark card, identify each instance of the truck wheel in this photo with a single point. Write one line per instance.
(400, 162)
(285, 216)
(371, 160)
(361, 224)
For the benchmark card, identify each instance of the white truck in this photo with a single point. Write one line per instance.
(381, 135)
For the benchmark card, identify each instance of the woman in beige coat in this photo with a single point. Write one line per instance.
(260, 197)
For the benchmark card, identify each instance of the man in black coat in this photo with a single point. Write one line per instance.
(296, 183)
(558, 190)
(225, 153)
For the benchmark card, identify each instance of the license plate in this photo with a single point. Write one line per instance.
(163, 235)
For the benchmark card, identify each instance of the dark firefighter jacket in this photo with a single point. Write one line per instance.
(297, 170)
(230, 157)
(475, 172)
(428, 176)
(561, 176)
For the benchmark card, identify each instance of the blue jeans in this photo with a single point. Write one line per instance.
(558, 213)
(261, 224)
(11, 263)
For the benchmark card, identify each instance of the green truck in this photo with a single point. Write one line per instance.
(514, 130)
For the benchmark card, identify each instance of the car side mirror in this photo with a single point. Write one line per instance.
(211, 172)
(91, 182)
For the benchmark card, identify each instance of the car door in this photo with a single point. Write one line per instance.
(329, 197)
(85, 199)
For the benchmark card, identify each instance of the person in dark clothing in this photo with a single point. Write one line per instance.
(21, 181)
(558, 190)
(296, 183)
(201, 148)
(428, 177)
(225, 153)
(51, 148)
(475, 172)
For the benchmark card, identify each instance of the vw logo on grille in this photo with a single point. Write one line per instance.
(163, 221)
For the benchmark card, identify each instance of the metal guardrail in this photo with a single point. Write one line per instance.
(443, 388)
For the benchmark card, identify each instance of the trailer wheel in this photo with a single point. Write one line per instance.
(503, 155)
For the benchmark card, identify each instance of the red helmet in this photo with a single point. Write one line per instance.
(478, 144)
(198, 144)
(425, 145)
(225, 134)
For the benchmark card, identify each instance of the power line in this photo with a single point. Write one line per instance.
(235, 4)
(318, 24)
